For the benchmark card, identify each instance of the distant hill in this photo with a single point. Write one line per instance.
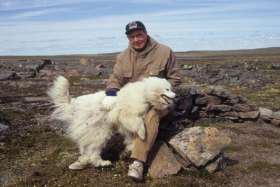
(259, 51)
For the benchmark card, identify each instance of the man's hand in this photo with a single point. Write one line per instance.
(110, 99)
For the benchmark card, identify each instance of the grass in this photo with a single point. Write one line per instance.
(267, 96)
(33, 155)
(233, 149)
(263, 166)
(77, 79)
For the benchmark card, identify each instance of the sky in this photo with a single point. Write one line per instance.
(56, 27)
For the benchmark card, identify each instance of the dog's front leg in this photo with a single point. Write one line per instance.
(134, 125)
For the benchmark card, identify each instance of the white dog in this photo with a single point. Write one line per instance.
(91, 119)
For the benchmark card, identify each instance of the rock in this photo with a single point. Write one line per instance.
(201, 101)
(35, 99)
(9, 75)
(230, 115)
(265, 114)
(232, 100)
(207, 100)
(249, 115)
(84, 61)
(47, 74)
(275, 122)
(187, 67)
(219, 91)
(275, 66)
(3, 128)
(100, 73)
(186, 164)
(27, 74)
(37, 66)
(163, 161)
(199, 145)
(184, 90)
(276, 115)
(47, 61)
(100, 66)
(195, 110)
(203, 114)
(213, 100)
(73, 73)
(217, 164)
(244, 108)
(23, 69)
(219, 108)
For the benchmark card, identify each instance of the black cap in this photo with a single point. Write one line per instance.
(133, 26)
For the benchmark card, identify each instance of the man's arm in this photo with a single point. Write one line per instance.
(114, 84)
(172, 71)
(115, 80)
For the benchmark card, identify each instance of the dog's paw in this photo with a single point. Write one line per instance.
(77, 165)
(105, 163)
(108, 102)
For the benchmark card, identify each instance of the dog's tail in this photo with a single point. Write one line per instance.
(59, 94)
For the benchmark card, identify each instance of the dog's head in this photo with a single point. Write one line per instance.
(159, 93)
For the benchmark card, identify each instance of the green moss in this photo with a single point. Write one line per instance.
(268, 96)
(204, 125)
(197, 173)
(196, 176)
(263, 166)
(232, 149)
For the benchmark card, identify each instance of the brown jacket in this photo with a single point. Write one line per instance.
(155, 60)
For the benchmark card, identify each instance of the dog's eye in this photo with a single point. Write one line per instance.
(167, 89)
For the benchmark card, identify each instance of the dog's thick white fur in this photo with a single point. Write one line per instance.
(91, 119)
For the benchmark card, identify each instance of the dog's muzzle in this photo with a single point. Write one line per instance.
(167, 99)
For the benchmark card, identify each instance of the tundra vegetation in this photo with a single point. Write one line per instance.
(33, 150)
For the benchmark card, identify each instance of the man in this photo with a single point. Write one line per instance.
(144, 57)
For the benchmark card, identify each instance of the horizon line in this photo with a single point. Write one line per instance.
(112, 53)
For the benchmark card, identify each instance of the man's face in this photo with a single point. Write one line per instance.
(137, 39)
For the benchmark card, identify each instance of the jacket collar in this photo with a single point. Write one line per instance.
(151, 43)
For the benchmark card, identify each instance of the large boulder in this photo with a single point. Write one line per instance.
(200, 145)
(163, 161)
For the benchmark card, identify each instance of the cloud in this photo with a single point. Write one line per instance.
(6, 5)
(34, 13)
(219, 25)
